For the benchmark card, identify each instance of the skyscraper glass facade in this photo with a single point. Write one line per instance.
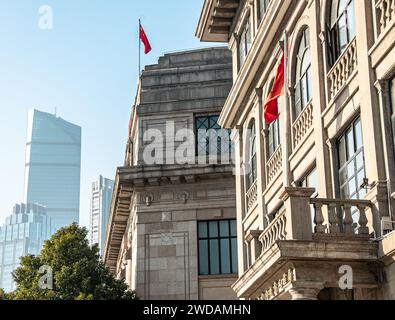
(100, 208)
(23, 233)
(53, 165)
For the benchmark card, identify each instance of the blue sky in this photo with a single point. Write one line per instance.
(86, 67)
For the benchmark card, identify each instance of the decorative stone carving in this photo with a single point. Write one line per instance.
(278, 286)
(148, 198)
(183, 196)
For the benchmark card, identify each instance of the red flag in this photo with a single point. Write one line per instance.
(144, 40)
(271, 104)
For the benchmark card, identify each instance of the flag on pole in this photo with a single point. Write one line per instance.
(271, 104)
(144, 40)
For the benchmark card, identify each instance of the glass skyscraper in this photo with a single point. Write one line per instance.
(53, 167)
(23, 233)
(100, 208)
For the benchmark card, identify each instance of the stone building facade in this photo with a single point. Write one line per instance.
(172, 229)
(320, 203)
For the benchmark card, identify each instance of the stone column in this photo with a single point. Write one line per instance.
(234, 48)
(297, 205)
(382, 87)
(237, 138)
(302, 290)
(255, 246)
(370, 113)
(260, 159)
(317, 45)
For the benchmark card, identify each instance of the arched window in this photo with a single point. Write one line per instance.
(263, 5)
(303, 82)
(342, 27)
(252, 164)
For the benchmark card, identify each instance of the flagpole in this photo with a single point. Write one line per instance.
(139, 49)
(285, 111)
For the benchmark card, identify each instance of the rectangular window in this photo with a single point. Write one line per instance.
(245, 42)
(351, 164)
(310, 181)
(211, 139)
(274, 136)
(217, 247)
(263, 5)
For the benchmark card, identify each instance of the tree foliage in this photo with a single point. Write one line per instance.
(77, 271)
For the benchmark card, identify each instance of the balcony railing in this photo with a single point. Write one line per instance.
(274, 232)
(385, 10)
(340, 216)
(302, 125)
(343, 69)
(274, 165)
(252, 196)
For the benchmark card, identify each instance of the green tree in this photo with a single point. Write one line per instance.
(77, 271)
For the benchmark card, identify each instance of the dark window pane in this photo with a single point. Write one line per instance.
(224, 228)
(203, 257)
(343, 176)
(213, 227)
(233, 228)
(225, 256)
(298, 100)
(304, 91)
(214, 257)
(234, 255)
(342, 152)
(350, 143)
(309, 84)
(202, 226)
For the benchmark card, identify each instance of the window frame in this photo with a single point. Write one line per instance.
(220, 143)
(349, 159)
(262, 13)
(218, 238)
(252, 156)
(303, 76)
(245, 42)
(334, 48)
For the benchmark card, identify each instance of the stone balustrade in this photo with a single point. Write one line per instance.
(294, 222)
(340, 216)
(385, 10)
(252, 196)
(302, 125)
(274, 232)
(343, 69)
(274, 165)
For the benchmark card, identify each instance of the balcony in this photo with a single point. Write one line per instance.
(252, 197)
(302, 125)
(273, 166)
(342, 70)
(300, 253)
(385, 11)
